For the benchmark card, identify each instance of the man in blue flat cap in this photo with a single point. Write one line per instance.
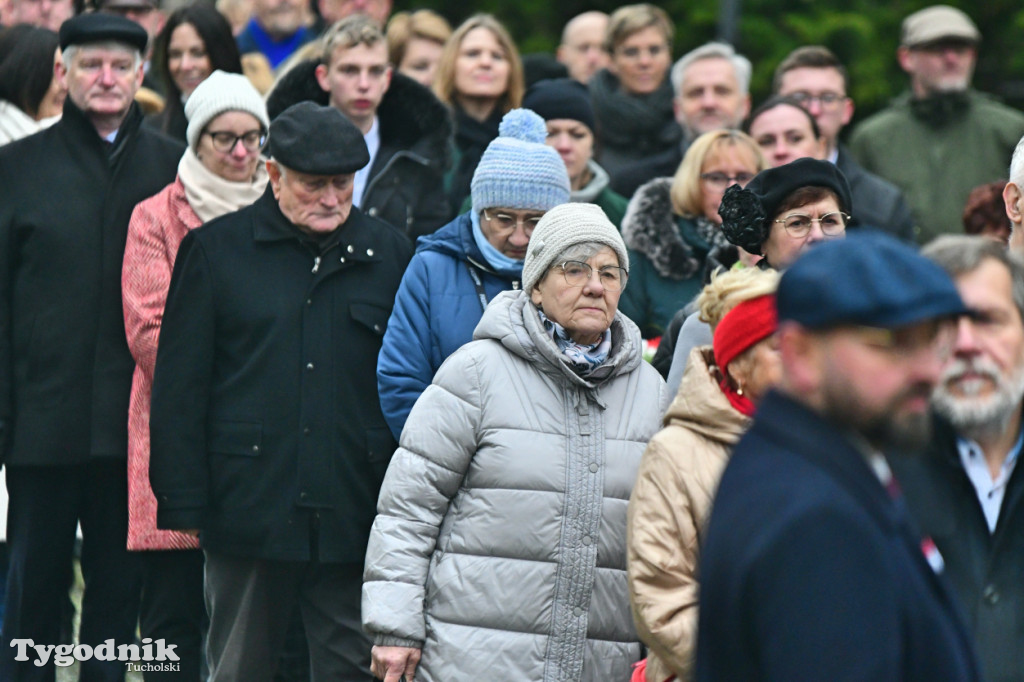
(811, 568)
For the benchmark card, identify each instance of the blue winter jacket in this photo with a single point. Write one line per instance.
(436, 311)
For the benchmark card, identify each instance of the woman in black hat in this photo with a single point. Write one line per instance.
(785, 210)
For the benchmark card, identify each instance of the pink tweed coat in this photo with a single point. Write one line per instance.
(157, 227)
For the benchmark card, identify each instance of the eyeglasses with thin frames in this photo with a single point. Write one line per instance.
(717, 180)
(799, 224)
(577, 274)
(508, 223)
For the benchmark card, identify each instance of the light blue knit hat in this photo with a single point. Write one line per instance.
(517, 170)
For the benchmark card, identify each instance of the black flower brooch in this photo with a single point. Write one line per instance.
(744, 221)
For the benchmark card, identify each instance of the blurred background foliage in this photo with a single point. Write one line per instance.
(863, 33)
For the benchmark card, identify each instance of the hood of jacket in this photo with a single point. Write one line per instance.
(649, 227)
(456, 240)
(700, 405)
(410, 116)
(512, 320)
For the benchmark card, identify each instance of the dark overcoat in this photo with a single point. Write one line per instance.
(65, 200)
(986, 569)
(266, 430)
(811, 570)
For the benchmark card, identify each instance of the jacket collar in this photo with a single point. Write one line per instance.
(78, 126)
(356, 236)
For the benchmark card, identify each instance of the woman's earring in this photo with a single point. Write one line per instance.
(739, 389)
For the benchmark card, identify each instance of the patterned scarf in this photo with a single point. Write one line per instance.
(582, 359)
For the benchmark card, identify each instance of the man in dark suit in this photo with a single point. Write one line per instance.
(967, 489)
(811, 568)
(66, 195)
(267, 435)
(816, 78)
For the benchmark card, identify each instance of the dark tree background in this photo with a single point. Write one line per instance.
(863, 33)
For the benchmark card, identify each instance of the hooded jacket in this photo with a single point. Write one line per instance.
(499, 544)
(405, 187)
(435, 312)
(667, 512)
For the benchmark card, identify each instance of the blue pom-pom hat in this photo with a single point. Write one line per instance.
(519, 171)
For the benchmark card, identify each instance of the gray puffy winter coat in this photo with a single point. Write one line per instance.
(500, 541)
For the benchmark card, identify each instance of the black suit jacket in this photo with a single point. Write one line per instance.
(877, 203)
(986, 569)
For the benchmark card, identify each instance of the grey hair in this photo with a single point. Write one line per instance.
(583, 251)
(714, 50)
(1017, 165)
(69, 53)
(962, 254)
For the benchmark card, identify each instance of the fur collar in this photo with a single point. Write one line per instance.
(650, 228)
(410, 115)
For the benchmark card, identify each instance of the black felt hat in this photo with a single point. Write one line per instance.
(97, 27)
(747, 212)
(318, 140)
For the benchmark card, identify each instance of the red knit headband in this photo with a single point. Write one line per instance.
(742, 327)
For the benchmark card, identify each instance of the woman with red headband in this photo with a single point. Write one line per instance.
(683, 462)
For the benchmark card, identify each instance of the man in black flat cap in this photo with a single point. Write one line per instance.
(266, 430)
(811, 568)
(66, 195)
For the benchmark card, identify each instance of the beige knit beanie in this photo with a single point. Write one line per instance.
(563, 226)
(221, 92)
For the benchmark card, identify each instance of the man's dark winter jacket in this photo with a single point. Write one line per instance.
(65, 199)
(405, 187)
(266, 431)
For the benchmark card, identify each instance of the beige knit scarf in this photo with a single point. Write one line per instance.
(210, 195)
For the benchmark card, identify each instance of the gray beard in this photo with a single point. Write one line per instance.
(980, 418)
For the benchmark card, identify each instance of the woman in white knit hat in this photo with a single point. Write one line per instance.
(498, 551)
(221, 171)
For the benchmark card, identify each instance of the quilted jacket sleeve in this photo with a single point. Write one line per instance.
(404, 367)
(436, 448)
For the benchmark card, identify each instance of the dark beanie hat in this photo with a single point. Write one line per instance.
(309, 138)
(560, 98)
(97, 27)
(747, 213)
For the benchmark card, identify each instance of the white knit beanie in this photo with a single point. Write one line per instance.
(222, 92)
(564, 226)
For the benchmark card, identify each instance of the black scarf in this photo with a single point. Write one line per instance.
(644, 124)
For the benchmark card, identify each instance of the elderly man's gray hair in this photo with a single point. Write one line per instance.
(1017, 165)
(962, 254)
(715, 50)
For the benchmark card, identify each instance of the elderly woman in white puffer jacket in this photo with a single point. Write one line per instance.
(499, 548)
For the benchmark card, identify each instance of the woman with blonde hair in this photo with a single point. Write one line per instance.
(673, 229)
(681, 466)
(480, 77)
(416, 41)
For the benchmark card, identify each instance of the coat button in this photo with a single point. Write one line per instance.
(376, 328)
(577, 612)
(306, 430)
(587, 541)
(991, 595)
(369, 252)
(303, 495)
(255, 448)
(373, 212)
(309, 366)
(309, 301)
(350, 249)
(594, 468)
(342, 259)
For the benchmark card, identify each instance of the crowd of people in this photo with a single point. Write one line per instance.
(325, 341)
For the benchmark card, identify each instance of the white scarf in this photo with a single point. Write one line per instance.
(210, 195)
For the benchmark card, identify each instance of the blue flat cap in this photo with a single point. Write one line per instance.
(867, 279)
(96, 27)
(310, 138)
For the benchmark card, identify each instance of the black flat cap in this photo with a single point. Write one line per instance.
(97, 27)
(310, 138)
(747, 213)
